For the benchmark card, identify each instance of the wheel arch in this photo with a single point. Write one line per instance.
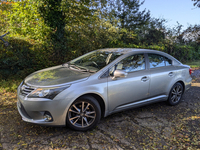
(182, 83)
(99, 100)
(177, 97)
(178, 81)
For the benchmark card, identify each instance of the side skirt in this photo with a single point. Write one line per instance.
(140, 103)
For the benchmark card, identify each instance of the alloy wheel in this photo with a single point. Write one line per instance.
(176, 94)
(81, 114)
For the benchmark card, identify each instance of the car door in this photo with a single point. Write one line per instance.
(134, 87)
(162, 75)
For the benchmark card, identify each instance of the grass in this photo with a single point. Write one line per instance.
(193, 64)
(9, 85)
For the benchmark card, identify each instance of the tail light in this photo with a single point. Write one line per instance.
(190, 71)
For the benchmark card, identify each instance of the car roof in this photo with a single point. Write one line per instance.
(138, 50)
(127, 50)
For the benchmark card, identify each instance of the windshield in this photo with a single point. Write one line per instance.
(95, 60)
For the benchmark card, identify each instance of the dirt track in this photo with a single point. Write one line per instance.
(156, 126)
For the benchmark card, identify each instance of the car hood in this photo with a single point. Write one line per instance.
(55, 76)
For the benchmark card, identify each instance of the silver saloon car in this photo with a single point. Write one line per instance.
(78, 93)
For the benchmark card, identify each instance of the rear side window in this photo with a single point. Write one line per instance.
(168, 62)
(156, 60)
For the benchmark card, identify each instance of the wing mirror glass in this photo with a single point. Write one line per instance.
(119, 74)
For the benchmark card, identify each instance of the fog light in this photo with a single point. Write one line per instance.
(47, 116)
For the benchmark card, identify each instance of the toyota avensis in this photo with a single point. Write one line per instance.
(78, 93)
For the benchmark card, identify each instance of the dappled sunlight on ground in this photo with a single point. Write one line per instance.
(158, 126)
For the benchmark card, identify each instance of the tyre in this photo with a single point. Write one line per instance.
(175, 94)
(84, 114)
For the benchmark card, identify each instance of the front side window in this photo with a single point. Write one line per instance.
(132, 63)
(158, 61)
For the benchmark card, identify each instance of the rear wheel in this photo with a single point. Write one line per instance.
(84, 114)
(175, 94)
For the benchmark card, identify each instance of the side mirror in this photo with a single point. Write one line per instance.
(119, 74)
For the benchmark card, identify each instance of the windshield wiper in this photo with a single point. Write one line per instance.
(79, 68)
(75, 67)
(68, 65)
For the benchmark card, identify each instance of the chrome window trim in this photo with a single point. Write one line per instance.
(160, 55)
(123, 57)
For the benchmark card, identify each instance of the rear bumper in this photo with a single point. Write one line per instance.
(188, 84)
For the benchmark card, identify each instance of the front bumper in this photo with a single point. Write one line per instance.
(33, 109)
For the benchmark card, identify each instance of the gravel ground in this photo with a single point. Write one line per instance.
(156, 126)
(196, 75)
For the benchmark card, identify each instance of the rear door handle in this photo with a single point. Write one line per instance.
(171, 74)
(144, 79)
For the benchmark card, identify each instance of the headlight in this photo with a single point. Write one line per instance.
(46, 93)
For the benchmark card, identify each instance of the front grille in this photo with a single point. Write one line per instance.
(25, 90)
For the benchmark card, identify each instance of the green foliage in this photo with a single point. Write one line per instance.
(21, 57)
(51, 11)
(154, 32)
(4, 11)
(128, 13)
(154, 36)
(9, 85)
(193, 64)
(182, 52)
(192, 34)
(46, 33)
(95, 34)
(25, 21)
(59, 16)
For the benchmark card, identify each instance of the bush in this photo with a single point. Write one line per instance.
(16, 58)
(35, 45)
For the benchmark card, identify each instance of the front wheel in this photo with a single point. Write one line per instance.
(175, 94)
(84, 114)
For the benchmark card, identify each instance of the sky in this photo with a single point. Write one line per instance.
(182, 11)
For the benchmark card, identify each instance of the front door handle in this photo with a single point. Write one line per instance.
(144, 79)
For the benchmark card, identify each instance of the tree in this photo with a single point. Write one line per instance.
(60, 13)
(196, 3)
(128, 13)
(24, 20)
(153, 32)
(53, 16)
(192, 34)
(4, 11)
(154, 36)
